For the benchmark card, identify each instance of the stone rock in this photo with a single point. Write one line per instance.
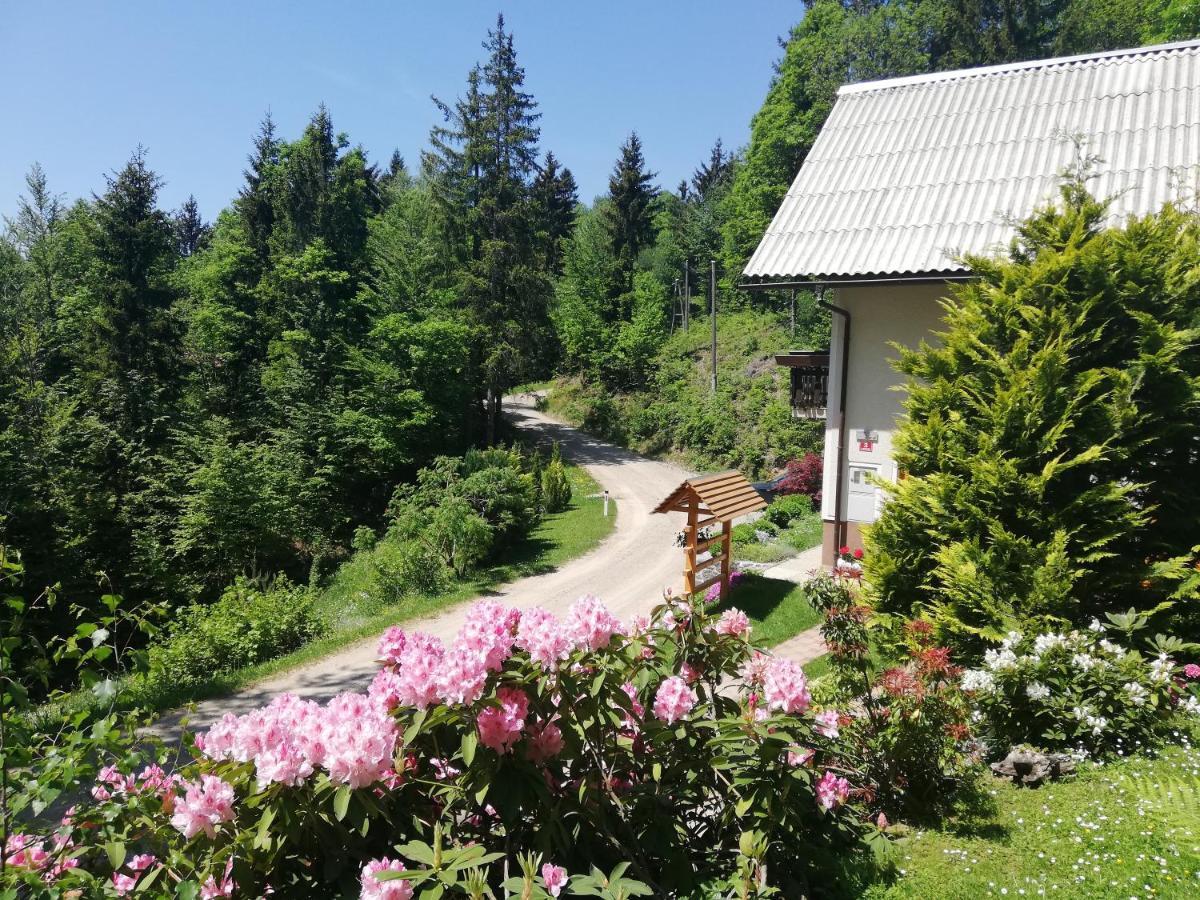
(1032, 767)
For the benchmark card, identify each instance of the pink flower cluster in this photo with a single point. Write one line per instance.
(733, 622)
(1192, 671)
(545, 742)
(785, 687)
(832, 791)
(352, 737)
(590, 625)
(152, 779)
(212, 889)
(674, 700)
(124, 882)
(391, 645)
(374, 889)
(827, 723)
(205, 805)
(555, 879)
(500, 726)
(542, 636)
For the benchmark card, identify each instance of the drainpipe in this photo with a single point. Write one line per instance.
(839, 524)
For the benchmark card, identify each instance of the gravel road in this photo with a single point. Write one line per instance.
(628, 571)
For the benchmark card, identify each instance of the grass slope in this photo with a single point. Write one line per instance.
(1129, 829)
(746, 425)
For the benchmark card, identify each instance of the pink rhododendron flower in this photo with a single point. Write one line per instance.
(784, 686)
(754, 669)
(545, 742)
(733, 622)
(674, 699)
(361, 740)
(637, 711)
(827, 723)
(488, 630)
(123, 883)
(713, 594)
(689, 673)
(391, 645)
(385, 689)
(418, 670)
(801, 757)
(589, 623)
(555, 878)
(212, 889)
(374, 889)
(500, 726)
(542, 636)
(1192, 671)
(205, 805)
(142, 861)
(832, 791)
(22, 852)
(462, 674)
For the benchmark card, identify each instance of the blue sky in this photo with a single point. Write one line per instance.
(86, 82)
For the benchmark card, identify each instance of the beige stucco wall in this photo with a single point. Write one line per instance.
(880, 315)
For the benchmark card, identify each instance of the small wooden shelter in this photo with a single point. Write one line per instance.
(708, 501)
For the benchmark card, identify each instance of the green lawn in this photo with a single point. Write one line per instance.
(777, 608)
(355, 609)
(1124, 829)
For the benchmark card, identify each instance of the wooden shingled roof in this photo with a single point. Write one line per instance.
(724, 496)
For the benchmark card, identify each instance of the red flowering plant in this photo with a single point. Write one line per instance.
(909, 729)
(670, 748)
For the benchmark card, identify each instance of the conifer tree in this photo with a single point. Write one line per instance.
(256, 201)
(555, 196)
(629, 218)
(1050, 433)
(712, 172)
(190, 230)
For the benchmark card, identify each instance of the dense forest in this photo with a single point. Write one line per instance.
(184, 402)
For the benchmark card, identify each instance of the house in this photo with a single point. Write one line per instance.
(910, 173)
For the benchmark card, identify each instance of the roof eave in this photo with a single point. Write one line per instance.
(777, 282)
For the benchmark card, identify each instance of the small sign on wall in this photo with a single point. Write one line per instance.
(867, 439)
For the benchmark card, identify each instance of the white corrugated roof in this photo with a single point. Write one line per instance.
(908, 173)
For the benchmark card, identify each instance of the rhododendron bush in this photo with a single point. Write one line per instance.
(1093, 690)
(664, 756)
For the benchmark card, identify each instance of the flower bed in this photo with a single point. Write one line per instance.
(528, 748)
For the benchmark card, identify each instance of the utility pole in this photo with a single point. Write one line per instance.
(687, 294)
(793, 314)
(712, 293)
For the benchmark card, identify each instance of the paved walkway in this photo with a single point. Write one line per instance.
(807, 645)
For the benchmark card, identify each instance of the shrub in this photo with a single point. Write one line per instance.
(910, 726)
(248, 624)
(804, 476)
(1050, 431)
(671, 746)
(1078, 690)
(784, 509)
(556, 486)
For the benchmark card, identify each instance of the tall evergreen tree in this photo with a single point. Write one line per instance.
(190, 230)
(712, 172)
(629, 216)
(483, 161)
(555, 196)
(256, 203)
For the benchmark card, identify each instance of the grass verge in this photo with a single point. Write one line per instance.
(1126, 829)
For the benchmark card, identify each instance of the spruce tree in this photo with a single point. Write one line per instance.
(555, 196)
(256, 200)
(712, 172)
(190, 230)
(629, 218)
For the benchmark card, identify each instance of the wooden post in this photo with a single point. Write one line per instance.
(726, 557)
(689, 565)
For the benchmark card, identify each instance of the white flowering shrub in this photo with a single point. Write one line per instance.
(529, 748)
(1089, 691)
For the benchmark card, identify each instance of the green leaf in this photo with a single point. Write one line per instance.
(116, 854)
(470, 742)
(187, 890)
(341, 802)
